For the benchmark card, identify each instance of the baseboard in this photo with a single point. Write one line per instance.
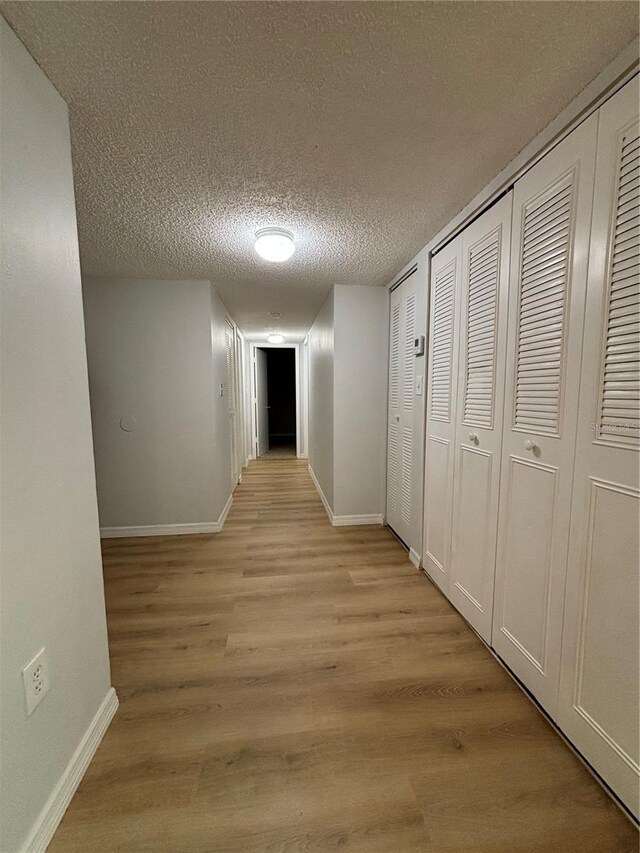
(224, 513)
(324, 500)
(168, 529)
(343, 520)
(346, 520)
(159, 530)
(53, 812)
(414, 557)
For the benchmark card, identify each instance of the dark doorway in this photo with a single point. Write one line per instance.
(281, 382)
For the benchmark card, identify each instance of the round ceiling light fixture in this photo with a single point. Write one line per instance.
(274, 244)
(275, 339)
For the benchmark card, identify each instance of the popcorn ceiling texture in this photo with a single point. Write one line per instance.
(361, 127)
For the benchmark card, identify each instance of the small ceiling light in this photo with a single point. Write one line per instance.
(275, 339)
(274, 244)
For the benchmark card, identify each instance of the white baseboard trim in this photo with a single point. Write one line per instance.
(55, 807)
(224, 513)
(414, 557)
(158, 530)
(324, 500)
(346, 520)
(343, 520)
(168, 529)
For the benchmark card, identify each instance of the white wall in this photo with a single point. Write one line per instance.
(52, 591)
(156, 353)
(321, 399)
(219, 441)
(348, 399)
(360, 399)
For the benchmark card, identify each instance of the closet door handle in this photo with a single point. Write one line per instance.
(473, 437)
(530, 445)
(397, 419)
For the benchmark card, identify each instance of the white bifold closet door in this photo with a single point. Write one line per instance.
(482, 333)
(599, 687)
(400, 438)
(446, 271)
(550, 235)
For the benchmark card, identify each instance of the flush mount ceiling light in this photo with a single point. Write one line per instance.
(275, 339)
(274, 244)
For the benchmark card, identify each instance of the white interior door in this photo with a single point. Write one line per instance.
(400, 443)
(599, 691)
(482, 331)
(446, 270)
(261, 402)
(551, 222)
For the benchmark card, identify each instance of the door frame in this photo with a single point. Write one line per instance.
(254, 422)
(241, 402)
(234, 401)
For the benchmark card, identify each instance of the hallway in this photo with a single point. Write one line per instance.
(290, 686)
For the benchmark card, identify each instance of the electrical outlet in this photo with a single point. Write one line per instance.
(35, 677)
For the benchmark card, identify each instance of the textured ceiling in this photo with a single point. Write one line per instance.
(362, 127)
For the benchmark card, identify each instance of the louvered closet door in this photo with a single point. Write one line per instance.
(446, 268)
(482, 333)
(551, 220)
(599, 681)
(400, 443)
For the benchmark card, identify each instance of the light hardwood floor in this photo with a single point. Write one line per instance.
(288, 686)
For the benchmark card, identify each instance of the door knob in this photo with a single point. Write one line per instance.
(473, 437)
(397, 419)
(530, 445)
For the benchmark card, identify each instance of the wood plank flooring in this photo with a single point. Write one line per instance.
(288, 686)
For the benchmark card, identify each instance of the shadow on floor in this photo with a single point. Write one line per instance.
(280, 450)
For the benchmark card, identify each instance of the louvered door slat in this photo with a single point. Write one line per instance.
(393, 476)
(394, 357)
(619, 388)
(441, 362)
(409, 358)
(407, 470)
(555, 200)
(550, 275)
(482, 283)
(541, 316)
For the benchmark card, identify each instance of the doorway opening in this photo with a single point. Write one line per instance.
(276, 406)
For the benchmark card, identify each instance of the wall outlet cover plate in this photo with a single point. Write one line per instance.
(35, 677)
